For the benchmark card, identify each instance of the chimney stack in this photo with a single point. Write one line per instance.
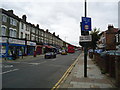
(110, 27)
(47, 30)
(10, 11)
(54, 33)
(24, 17)
(37, 25)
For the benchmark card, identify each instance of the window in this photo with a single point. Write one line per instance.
(21, 34)
(3, 31)
(119, 37)
(13, 33)
(26, 36)
(26, 28)
(13, 22)
(22, 26)
(4, 18)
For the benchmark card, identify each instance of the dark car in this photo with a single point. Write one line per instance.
(50, 55)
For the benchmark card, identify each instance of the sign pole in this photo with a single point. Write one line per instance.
(85, 48)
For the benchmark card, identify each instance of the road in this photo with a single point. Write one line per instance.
(36, 73)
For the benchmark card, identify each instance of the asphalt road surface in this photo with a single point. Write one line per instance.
(36, 73)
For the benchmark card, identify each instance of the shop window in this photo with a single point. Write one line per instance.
(3, 31)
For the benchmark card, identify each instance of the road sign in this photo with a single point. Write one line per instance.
(86, 24)
(86, 38)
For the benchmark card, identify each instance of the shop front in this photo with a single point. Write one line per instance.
(38, 49)
(11, 47)
(16, 47)
(3, 46)
(30, 47)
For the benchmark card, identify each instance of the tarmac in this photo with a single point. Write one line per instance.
(94, 79)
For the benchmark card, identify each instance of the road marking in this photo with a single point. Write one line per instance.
(54, 59)
(9, 71)
(65, 75)
(37, 63)
(43, 62)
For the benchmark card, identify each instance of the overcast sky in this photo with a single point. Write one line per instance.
(64, 16)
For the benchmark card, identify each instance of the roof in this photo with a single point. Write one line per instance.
(10, 13)
(113, 30)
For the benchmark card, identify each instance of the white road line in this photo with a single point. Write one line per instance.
(9, 71)
(37, 63)
(43, 62)
(54, 59)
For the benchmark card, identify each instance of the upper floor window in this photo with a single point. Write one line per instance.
(22, 26)
(13, 33)
(13, 22)
(21, 34)
(3, 31)
(27, 28)
(33, 30)
(26, 36)
(4, 18)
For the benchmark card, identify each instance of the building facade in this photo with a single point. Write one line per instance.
(23, 38)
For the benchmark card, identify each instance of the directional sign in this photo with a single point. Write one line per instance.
(86, 24)
(86, 38)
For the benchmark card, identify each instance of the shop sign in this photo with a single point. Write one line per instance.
(31, 43)
(16, 41)
(3, 39)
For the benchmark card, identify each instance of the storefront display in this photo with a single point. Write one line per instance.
(30, 47)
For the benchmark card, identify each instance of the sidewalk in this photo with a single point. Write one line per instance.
(94, 77)
(29, 57)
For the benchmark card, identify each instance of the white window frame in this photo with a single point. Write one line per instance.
(4, 18)
(12, 32)
(3, 26)
(13, 21)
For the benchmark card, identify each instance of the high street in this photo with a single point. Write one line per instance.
(36, 72)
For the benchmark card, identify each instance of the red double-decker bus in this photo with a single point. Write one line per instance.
(71, 49)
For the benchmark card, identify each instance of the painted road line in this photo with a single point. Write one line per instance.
(37, 63)
(65, 75)
(9, 71)
(53, 59)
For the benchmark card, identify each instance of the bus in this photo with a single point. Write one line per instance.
(71, 49)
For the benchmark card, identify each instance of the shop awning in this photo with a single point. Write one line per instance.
(39, 46)
(48, 46)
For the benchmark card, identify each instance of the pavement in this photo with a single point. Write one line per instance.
(24, 58)
(94, 79)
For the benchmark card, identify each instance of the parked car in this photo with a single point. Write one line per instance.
(63, 52)
(110, 52)
(50, 55)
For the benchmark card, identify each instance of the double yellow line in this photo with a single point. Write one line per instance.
(57, 85)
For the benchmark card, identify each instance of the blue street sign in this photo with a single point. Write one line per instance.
(86, 24)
